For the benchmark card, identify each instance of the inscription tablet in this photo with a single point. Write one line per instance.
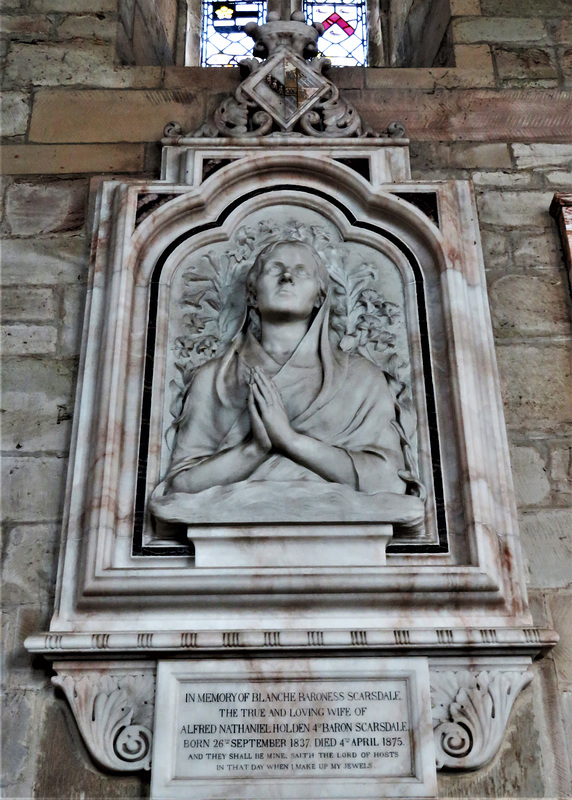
(289, 729)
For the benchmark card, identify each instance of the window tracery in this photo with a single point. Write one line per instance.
(344, 40)
(223, 40)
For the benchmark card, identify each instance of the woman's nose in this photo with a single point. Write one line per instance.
(286, 275)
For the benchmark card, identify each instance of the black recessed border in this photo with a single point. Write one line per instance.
(140, 499)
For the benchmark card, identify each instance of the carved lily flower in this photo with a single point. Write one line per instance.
(183, 347)
(382, 340)
(371, 300)
(389, 310)
(194, 323)
(296, 230)
(370, 328)
(267, 228)
(207, 346)
(245, 242)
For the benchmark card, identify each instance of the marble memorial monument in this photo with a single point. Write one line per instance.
(289, 514)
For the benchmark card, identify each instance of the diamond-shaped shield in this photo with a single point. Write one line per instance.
(286, 87)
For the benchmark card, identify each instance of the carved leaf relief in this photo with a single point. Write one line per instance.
(114, 715)
(470, 713)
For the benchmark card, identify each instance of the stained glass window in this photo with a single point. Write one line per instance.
(345, 39)
(224, 43)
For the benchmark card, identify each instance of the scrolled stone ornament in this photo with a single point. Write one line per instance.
(173, 130)
(333, 117)
(232, 116)
(470, 713)
(396, 130)
(105, 708)
(454, 739)
(132, 743)
(262, 105)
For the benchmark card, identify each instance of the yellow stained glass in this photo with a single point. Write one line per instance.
(224, 12)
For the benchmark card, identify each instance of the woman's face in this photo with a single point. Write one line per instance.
(288, 285)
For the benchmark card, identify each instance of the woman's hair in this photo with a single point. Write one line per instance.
(264, 255)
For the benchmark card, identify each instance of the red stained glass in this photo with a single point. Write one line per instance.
(335, 19)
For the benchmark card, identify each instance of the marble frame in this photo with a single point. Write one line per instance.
(102, 587)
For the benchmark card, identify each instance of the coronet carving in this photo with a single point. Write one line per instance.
(114, 713)
(470, 713)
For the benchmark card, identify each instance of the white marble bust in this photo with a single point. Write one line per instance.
(285, 424)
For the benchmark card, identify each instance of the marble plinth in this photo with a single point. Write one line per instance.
(290, 546)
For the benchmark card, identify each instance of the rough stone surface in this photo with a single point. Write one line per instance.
(14, 114)
(531, 484)
(72, 320)
(567, 717)
(510, 180)
(462, 8)
(31, 159)
(541, 155)
(26, 27)
(515, 209)
(54, 260)
(561, 468)
(37, 402)
(496, 249)
(526, 8)
(535, 383)
(18, 742)
(28, 339)
(548, 547)
(532, 251)
(33, 488)
(475, 57)
(559, 180)
(66, 770)
(74, 6)
(561, 609)
(30, 565)
(491, 29)
(88, 26)
(28, 304)
(426, 155)
(563, 31)
(103, 116)
(525, 305)
(91, 64)
(46, 208)
(530, 64)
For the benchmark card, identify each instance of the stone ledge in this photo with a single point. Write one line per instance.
(111, 115)
(35, 159)
(414, 641)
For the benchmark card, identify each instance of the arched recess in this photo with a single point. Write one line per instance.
(203, 218)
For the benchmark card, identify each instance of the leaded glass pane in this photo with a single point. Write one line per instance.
(345, 38)
(224, 43)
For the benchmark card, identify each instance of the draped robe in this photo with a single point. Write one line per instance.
(342, 400)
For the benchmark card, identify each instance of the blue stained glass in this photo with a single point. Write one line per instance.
(345, 39)
(223, 42)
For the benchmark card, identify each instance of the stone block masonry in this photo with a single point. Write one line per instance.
(502, 117)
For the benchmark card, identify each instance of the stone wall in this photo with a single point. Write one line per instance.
(72, 115)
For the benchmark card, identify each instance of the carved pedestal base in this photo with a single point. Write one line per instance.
(316, 546)
(114, 706)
